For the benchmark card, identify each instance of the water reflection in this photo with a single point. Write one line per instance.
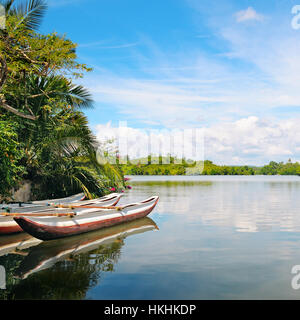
(72, 265)
(249, 204)
(219, 238)
(15, 243)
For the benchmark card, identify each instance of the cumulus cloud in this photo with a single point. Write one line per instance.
(246, 141)
(158, 102)
(248, 15)
(189, 88)
(139, 143)
(252, 141)
(230, 93)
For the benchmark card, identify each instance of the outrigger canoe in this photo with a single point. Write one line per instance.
(74, 198)
(84, 220)
(9, 226)
(36, 204)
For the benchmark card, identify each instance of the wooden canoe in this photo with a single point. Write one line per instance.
(74, 198)
(9, 226)
(108, 200)
(49, 228)
(36, 204)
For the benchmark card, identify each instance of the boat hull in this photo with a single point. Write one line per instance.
(55, 228)
(75, 198)
(9, 226)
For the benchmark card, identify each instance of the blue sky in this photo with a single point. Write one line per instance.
(231, 67)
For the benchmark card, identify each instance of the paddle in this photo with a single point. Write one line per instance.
(6, 214)
(84, 207)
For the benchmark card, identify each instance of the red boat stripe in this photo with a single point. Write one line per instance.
(45, 232)
(13, 229)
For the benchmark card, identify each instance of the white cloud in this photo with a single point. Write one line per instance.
(191, 87)
(183, 98)
(252, 141)
(246, 141)
(247, 15)
(104, 45)
(259, 72)
(170, 104)
(138, 143)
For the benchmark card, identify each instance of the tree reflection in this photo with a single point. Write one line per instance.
(68, 268)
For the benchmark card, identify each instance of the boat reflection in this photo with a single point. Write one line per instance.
(93, 245)
(17, 243)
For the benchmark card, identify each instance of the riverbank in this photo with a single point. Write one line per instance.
(207, 167)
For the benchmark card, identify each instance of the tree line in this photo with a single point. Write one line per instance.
(183, 167)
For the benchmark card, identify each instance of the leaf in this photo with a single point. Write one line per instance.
(30, 14)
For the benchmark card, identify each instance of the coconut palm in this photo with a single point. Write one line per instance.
(21, 19)
(60, 143)
(59, 147)
(29, 14)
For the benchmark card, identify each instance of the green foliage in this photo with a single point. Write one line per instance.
(29, 51)
(10, 154)
(273, 168)
(61, 144)
(182, 167)
(145, 167)
(48, 133)
(213, 169)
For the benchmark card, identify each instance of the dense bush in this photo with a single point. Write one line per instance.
(10, 155)
(209, 168)
(45, 138)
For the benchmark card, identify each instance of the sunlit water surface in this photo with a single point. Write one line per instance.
(208, 238)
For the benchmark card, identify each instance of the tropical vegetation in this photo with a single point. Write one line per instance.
(44, 134)
(207, 167)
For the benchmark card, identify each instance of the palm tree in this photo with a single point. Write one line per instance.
(59, 147)
(61, 144)
(26, 18)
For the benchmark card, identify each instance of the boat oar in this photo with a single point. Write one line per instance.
(85, 207)
(6, 214)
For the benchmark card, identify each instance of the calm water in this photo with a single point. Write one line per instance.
(208, 238)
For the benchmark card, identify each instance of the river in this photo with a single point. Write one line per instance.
(210, 237)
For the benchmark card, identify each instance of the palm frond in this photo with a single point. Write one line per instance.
(7, 5)
(57, 87)
(79, 97)
(30, 13)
